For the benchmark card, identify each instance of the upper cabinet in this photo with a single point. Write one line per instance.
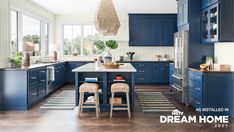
(209, 24)
(207, 3)
(217, 21)
(182, 8)
(152, 29)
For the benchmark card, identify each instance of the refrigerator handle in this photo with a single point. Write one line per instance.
(176, 52)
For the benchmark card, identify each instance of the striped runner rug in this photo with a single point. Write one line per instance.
(65, 100)
(154, 102)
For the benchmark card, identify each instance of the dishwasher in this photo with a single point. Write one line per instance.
(50, 79)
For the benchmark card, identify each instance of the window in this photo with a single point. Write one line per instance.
(72, 39)
(78, 39)
(31, 32)
(14, 32)
(25, 28)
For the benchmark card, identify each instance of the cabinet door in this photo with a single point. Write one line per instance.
(205, 3)
(155, 73)
(42, 83)
(145, 30)
(70, 76)
(137, 30)
(164, 73)
(169, 28)
(226, 21)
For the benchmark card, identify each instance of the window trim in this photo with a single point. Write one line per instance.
(20, 14)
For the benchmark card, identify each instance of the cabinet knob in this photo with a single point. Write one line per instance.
(34, 94)
(33, 78)
(197, 102)
(197, 89)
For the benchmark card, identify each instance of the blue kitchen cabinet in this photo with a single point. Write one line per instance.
(211, 90)
(207, 3)
(143, 72)
(169, 28)
(171, 72)
(152, 29)
(70, 76)
(156, 73)
(217, 20)
(59, 70)
(151, 72)
(164, 72)
(36, 85)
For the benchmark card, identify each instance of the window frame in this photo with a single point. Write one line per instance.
(17, 32)
(82, 38)
(20, 14)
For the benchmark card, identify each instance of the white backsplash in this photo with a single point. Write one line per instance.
(142, 53)
(224, 53)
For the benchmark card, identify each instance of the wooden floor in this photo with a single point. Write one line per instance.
(37, 120)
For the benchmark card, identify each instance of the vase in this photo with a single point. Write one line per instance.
(107, 57)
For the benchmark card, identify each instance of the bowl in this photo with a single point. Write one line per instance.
(204, 66)
(119, 78)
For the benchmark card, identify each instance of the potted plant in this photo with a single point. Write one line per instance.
(16, 60)
(106, 47)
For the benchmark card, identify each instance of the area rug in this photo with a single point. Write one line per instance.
(65, 100)
(154, 102)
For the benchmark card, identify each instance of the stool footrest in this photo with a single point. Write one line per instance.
(120, 104)
(88, 106)
(120, 108)
(89, 103)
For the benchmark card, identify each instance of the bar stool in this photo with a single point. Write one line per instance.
(89, 88)
(123, 88)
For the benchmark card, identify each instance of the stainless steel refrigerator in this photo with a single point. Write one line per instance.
(179, 86)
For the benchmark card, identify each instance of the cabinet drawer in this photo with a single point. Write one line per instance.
(141, 65)
(141, 79)
(32, 95)
(195, 84)
(195, 102)
(195, 76)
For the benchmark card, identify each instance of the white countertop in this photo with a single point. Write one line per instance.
(90, 67)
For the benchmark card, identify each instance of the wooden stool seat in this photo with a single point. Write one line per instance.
(120, 87)
(90, 88)
(123, 88)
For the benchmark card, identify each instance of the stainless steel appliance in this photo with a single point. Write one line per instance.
(50, 79)
(179, 86)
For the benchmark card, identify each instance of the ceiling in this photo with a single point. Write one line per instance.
(89, 7)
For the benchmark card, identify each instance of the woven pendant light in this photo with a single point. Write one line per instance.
(107, 21)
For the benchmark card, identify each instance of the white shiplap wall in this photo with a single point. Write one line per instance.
(4, 32)
(142, 53)
(224, 53)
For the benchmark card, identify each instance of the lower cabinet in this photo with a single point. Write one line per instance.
(59, 70)
(211, 90)
(36, 85)
(70, 76)
(151, 72)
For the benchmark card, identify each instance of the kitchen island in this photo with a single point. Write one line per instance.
(105, 78)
